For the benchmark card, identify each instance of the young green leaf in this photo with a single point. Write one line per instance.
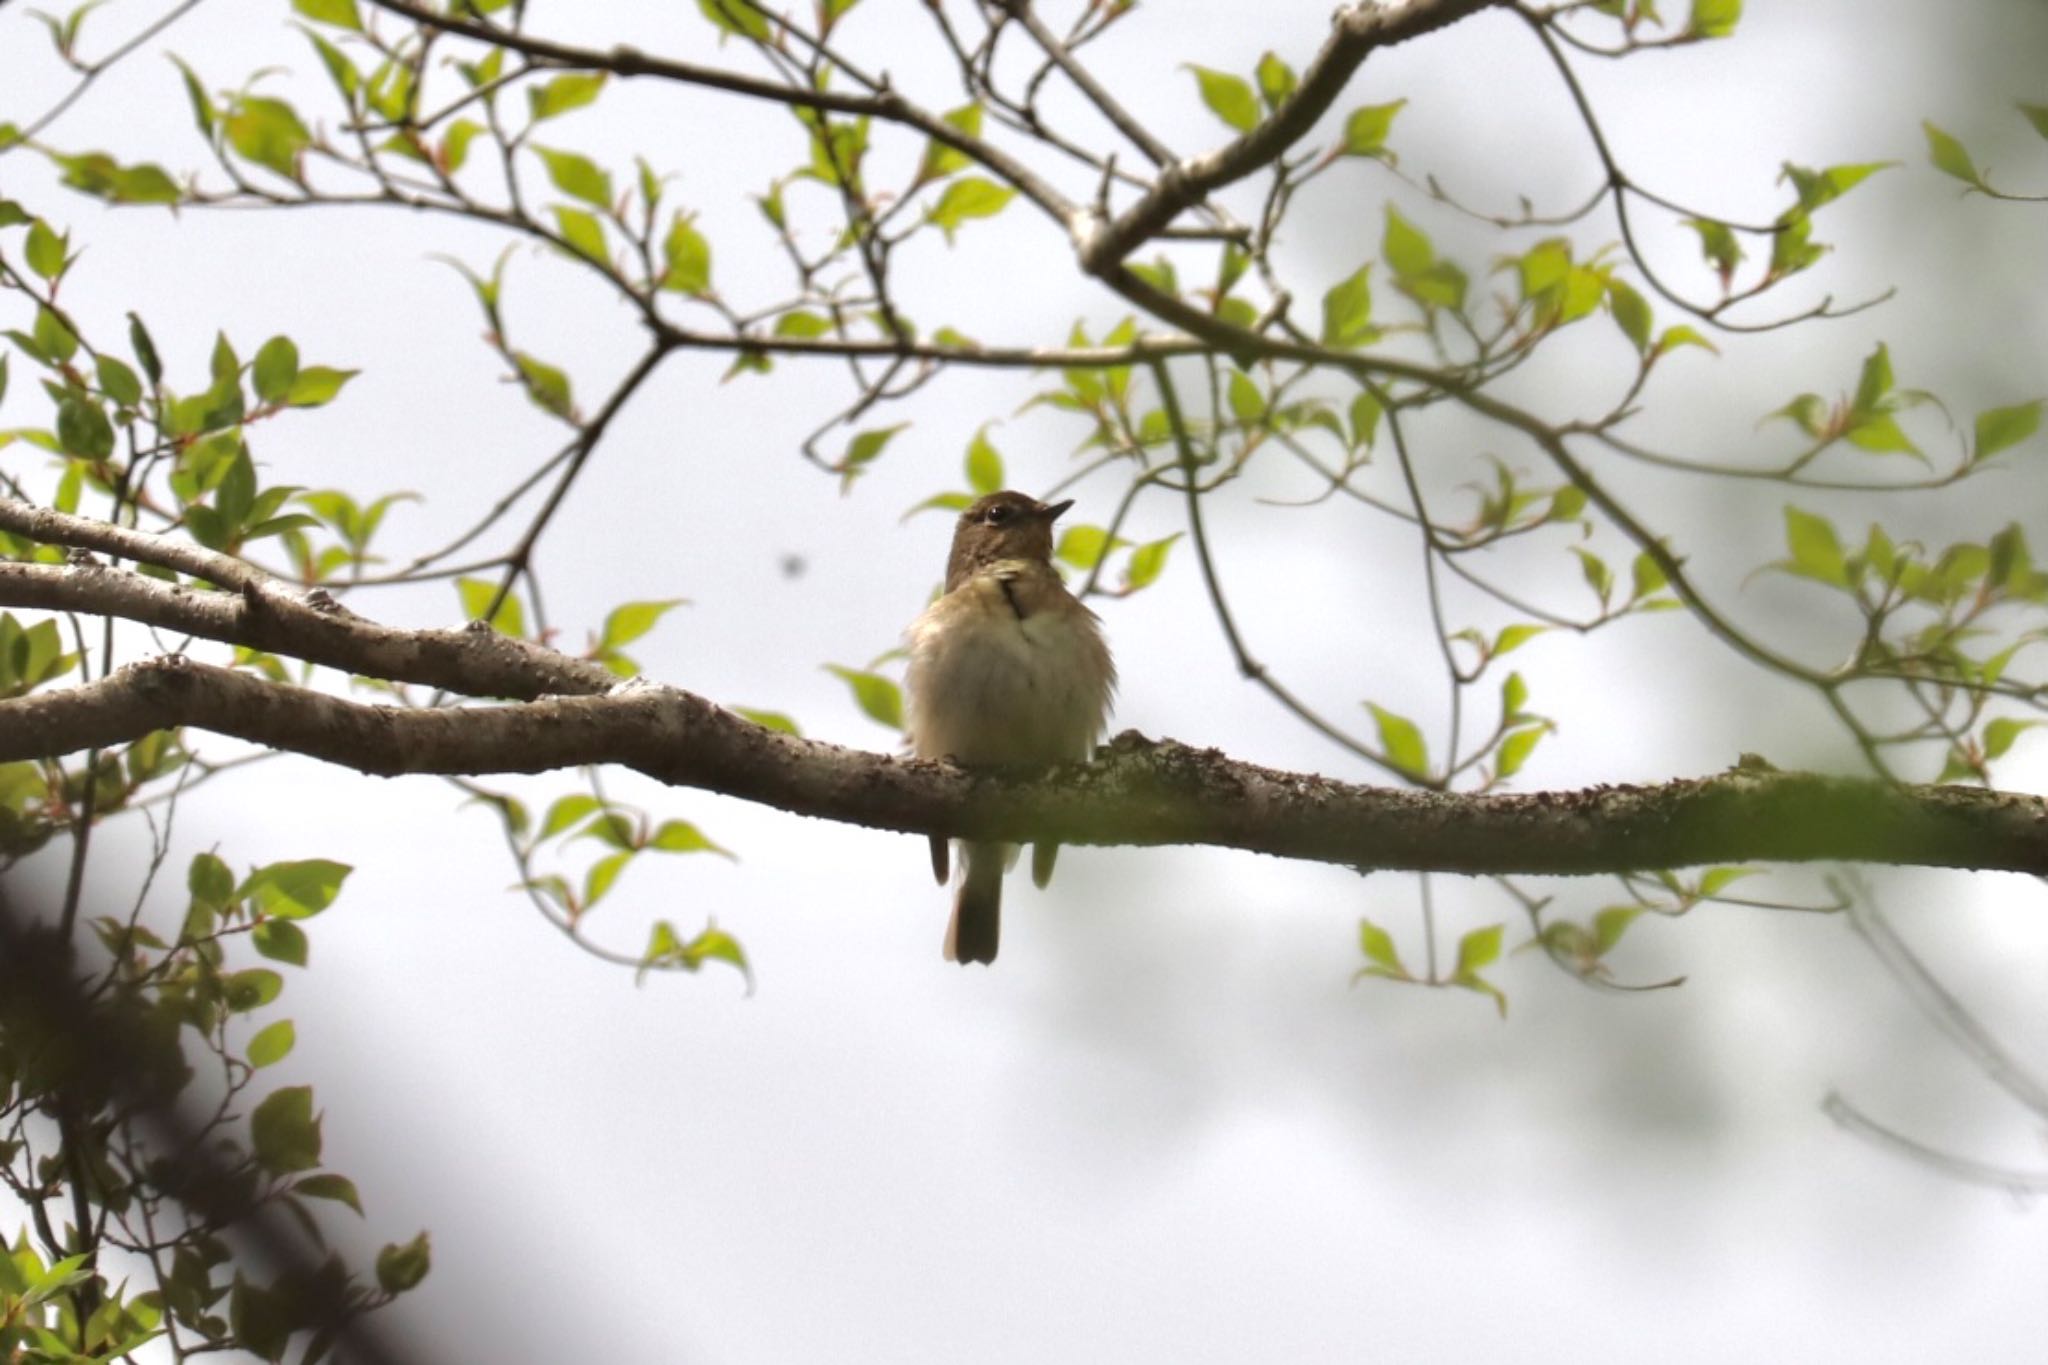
(284, 1132)
(2002, 428)
(1816, 549)
(271, 1043)
(563, 93)
(984, 464)
(1378, 946)
(276, 367)
(879, 697)
(972, 197)
(1147, 561)
(577, 175)
(1365, 131)
(1714, 18)
(1347, 311)
(687, 258)
(1229, 97)
(1400, 741)
(632, 620)
(1950, 157)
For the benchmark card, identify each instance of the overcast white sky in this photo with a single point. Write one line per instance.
(1164, 1127)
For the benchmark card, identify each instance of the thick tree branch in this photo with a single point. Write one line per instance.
(1138, 791)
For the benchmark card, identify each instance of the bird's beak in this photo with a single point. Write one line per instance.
(1051, 511)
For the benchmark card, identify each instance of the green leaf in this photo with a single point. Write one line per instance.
(577, 175)
(1881, 435)
(1816, 550)
(295, 890)
(259, 1319)
(1085, 546)
(340, 13)
(686, 257)
(879, 697)
(2000, 733)
(1646, 576)
(455, 145)
(2002, 428)
(145, 349)
(630, 621)
(1816, 188)
(603, 873)
(1146, 562)
(1365, 131)
(1378, 946)
(203, 112)
(1718, 245)
(768, 720)
(1404, 246)
(547, 386)
(568, 810)
(736, 17)
(210, 882)
(1714, 18)
(862, 451)
(801, 324)
(680, 836)
(1717, 879)
(400, 1268)
(267, 132)
(53, 340)
(1366, 411)
(1610, 924)
(1514, 637)
(941, 160)
(315, 385)
(1631, 314)
(583, 233)
(1875, 381)
(563, 93)
(1594, 570)
(1229, 97)
(327, 1185)
(477, 594)
(284, 1132)
(44, 250)
(250, 989)
(271, 1043)
(281, 941)
(1950, 157)
(117, 381)
(1515, 750)
(1479, 949)
(972, 197)
(275, 369)
(1276, 80)
(984, 464)
(1400, 741)
(83, 428)
(1347, 311)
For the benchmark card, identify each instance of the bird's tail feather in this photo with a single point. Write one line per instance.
(978, 907)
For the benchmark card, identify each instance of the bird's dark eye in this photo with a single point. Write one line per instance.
(998, 514)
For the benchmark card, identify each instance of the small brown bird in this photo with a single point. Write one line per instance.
(1007, 669)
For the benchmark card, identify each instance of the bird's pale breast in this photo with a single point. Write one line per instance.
(990, 684)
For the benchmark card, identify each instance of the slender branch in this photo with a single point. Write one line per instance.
(1357, 31)
(886, 105)
(473, 661)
